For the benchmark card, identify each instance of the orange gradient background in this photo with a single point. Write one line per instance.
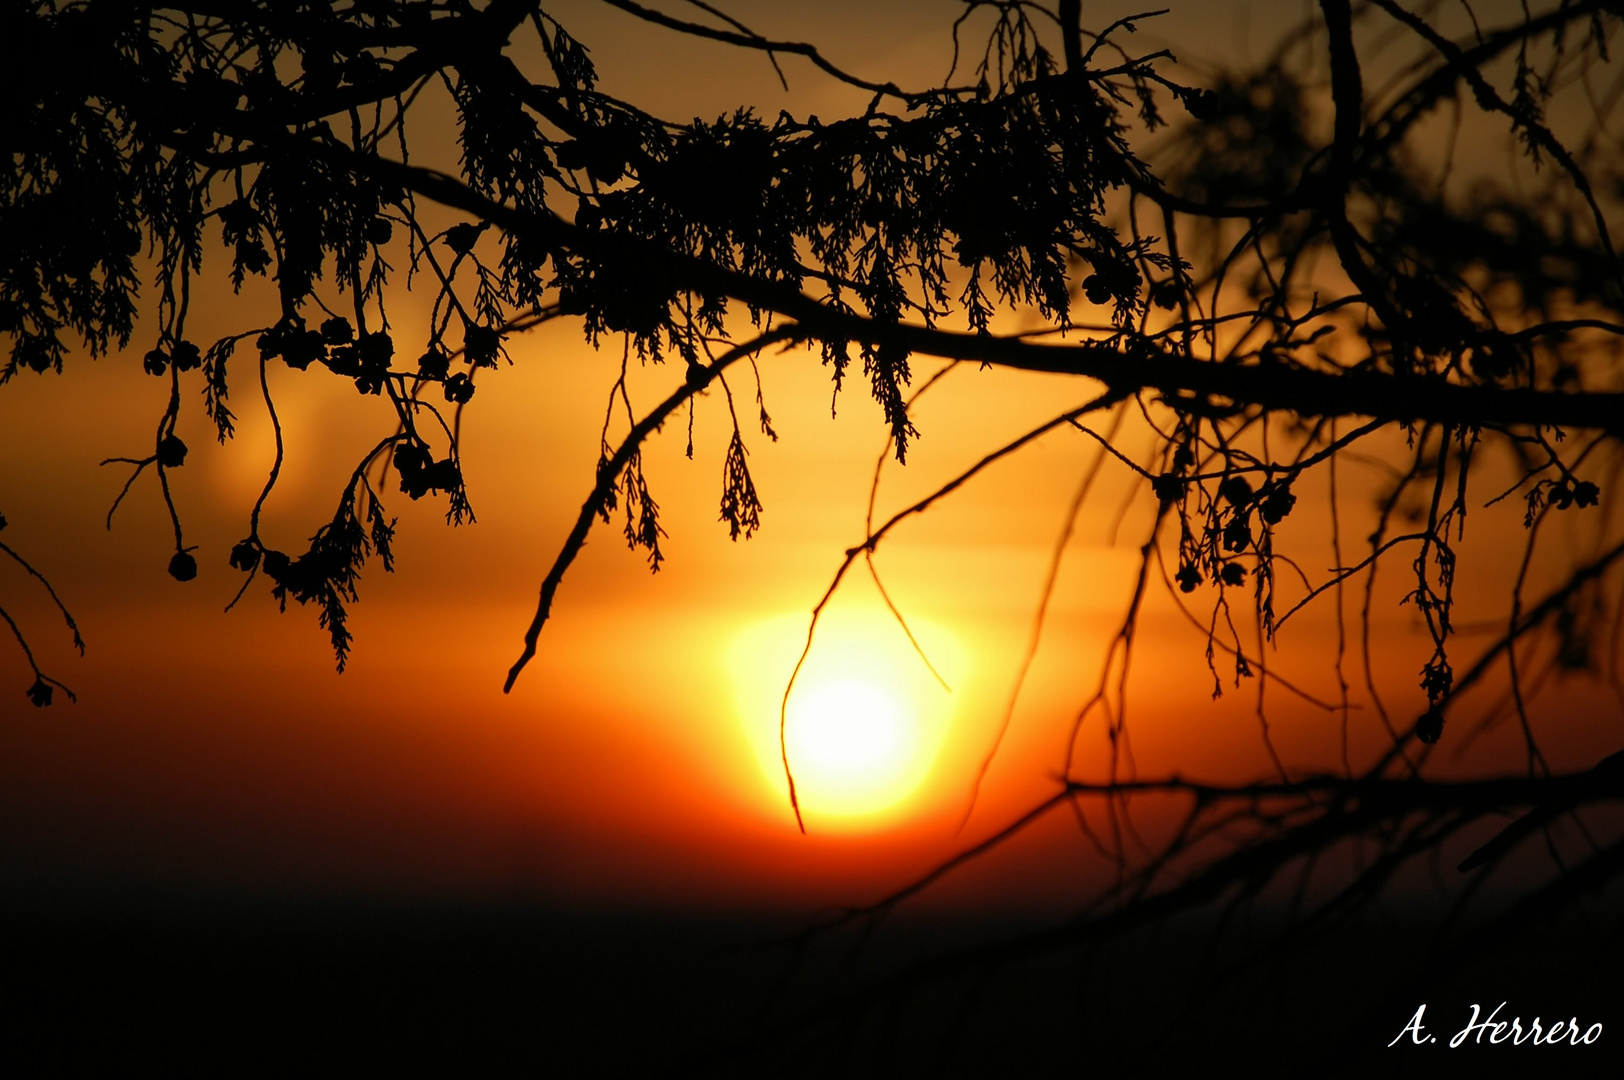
(634, 762)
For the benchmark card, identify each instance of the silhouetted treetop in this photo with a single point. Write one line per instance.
(1295, 248)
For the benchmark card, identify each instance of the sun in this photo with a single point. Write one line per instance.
(865, 721)
(849, 738)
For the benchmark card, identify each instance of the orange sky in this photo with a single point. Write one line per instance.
(221, 750)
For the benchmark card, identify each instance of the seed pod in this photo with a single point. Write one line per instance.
(1188, 578)
(244, 556)
(171, 452)
(377, 349)
(1168, 487)
(337, 331)
(412, 457)
(187, 356)
(461, 238)
(433, 364)
(459, 389)
(239, 216)
(1237, 534)
(444, 475)
(480, 344)
(182, 567)
(344, 360)
(302, 348)
(370, 381)
(270, 344)
(1236, 490)
(1277, 504)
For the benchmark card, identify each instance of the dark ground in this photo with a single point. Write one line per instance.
(102, 985)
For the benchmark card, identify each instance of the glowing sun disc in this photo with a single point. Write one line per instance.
(849, 736)
(865, 721)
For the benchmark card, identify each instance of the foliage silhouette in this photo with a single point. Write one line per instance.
(1317, 280)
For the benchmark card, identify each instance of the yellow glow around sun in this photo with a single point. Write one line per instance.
(866, 720)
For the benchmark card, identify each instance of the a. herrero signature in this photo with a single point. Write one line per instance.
(1503, 1031)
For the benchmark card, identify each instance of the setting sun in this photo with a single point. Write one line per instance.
(866, 720)
(850, 738)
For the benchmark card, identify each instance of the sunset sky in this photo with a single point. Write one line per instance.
(227, 851)
(635, 763)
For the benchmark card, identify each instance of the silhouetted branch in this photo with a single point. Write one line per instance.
(609, 472)
(1186, 382)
